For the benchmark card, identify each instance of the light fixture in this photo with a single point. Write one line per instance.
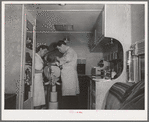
(63, 27)
(62, 4)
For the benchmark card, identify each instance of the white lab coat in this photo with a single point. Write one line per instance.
(39, 95)
(69, 77)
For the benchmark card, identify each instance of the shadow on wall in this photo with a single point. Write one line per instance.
(53, 50)
(52, 46)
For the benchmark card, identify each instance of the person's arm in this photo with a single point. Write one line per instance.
(66, 58)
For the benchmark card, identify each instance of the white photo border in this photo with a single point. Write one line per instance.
(69, 114)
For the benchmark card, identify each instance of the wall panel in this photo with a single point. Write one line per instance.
(13, 31)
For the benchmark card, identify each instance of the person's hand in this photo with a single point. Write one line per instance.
(58, 83)
(54, 79)
(57, 63)
(57, 58)
(47, 83)
(61, 67)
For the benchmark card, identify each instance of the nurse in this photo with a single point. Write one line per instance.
(39, 95)
(69, 77)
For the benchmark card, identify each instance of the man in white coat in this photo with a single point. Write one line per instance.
(69, 77)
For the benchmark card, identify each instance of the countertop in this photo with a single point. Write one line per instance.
(83, 75)
(95, 78)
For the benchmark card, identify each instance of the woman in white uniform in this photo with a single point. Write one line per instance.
(39, 95)
(69, 77)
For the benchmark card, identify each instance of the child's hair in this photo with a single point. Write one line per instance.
(60, 42)
(51, 58)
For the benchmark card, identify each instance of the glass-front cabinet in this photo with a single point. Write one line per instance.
(25, 97)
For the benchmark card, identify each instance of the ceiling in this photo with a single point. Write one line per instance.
(81, 16)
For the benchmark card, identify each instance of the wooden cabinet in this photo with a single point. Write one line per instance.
(100, 28)
(109, 25)
(83, 96)
(98, 31)
(92, 41)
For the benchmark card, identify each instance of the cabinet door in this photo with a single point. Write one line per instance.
(28, 83)
(98, 33)
(100, 26)
(83, 96)
(92, 42)
(27, 70)
(92, 100)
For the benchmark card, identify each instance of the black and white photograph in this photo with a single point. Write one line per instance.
(74, 60)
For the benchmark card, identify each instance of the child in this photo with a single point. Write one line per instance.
(52, 71)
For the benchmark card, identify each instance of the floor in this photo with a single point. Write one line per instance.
(67, 102)
(71, 102)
